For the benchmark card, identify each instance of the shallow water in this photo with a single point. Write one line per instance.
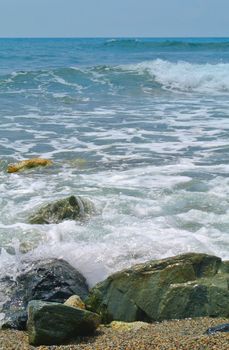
(140, 127)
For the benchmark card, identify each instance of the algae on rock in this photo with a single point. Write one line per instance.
(53, 323)
(188, 285)
(70, 208)
(28, 164)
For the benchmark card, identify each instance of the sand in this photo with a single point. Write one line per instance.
(169, 335)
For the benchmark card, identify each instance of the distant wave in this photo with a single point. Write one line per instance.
(141, 44)
(157, 74)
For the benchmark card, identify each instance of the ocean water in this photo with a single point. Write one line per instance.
(138, 126)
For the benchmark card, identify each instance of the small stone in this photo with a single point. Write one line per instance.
(128, 326)
(220, 328)
(25, 247)
(75, 301)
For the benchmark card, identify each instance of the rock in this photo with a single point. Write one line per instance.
(8, 249)
(28, 164)
(50, 280)
(220, 328)
(21, 248)
(128, 326)
(189, 285)
(77, 163)
(70, 208)
(75, 301)
(55, 324)
(25, 247)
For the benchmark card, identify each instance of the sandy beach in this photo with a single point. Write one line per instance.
(185, 334)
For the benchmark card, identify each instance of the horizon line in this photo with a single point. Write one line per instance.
(114, 37)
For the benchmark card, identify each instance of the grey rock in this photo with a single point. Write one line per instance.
(70, 208)
(55, 324)
(49, 280)
(188, 285)
(220, 328)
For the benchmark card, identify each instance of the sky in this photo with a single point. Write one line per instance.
(114, 18)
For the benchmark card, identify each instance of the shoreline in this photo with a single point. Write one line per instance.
(186, 334)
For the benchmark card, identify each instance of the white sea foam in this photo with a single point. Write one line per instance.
(185, 76)
(156, 171)
(140, 213)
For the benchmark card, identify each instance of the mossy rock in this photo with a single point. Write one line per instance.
(70, 208)
(55, 324)
(188, 285)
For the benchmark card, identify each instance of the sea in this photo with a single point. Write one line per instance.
(139, 126)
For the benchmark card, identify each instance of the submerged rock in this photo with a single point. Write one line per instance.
(78, 162)
(189, 285)
(70, 208)
(50, 280)
(8, 249)
(53, 324)
(20, 248)
(220, 328)
(28, 164)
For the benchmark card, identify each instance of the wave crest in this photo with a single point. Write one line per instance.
(185, 76)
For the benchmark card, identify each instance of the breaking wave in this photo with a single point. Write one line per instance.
(159, 74)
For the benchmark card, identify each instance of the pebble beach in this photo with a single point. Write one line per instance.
(185, 334)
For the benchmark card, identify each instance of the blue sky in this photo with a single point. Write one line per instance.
(110, 18)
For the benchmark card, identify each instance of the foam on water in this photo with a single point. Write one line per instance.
(185, 76)
(140, 212)
(145, 139)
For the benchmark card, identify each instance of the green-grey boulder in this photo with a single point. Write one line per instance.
(188, 285)
(55, 324)
(70, 208)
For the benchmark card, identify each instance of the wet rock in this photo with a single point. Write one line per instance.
(220, 328)
(21, 248)
(50, 280)
(55, 324)
(28, 164)
(189, 285)
(25, 247)
(75, 301)
(70, 208)
(8, 249)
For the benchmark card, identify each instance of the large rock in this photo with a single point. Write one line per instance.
(53, 324)
(70, 208)
(188, 285)
(50, 280)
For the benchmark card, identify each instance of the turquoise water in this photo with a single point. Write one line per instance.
(139, 126)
